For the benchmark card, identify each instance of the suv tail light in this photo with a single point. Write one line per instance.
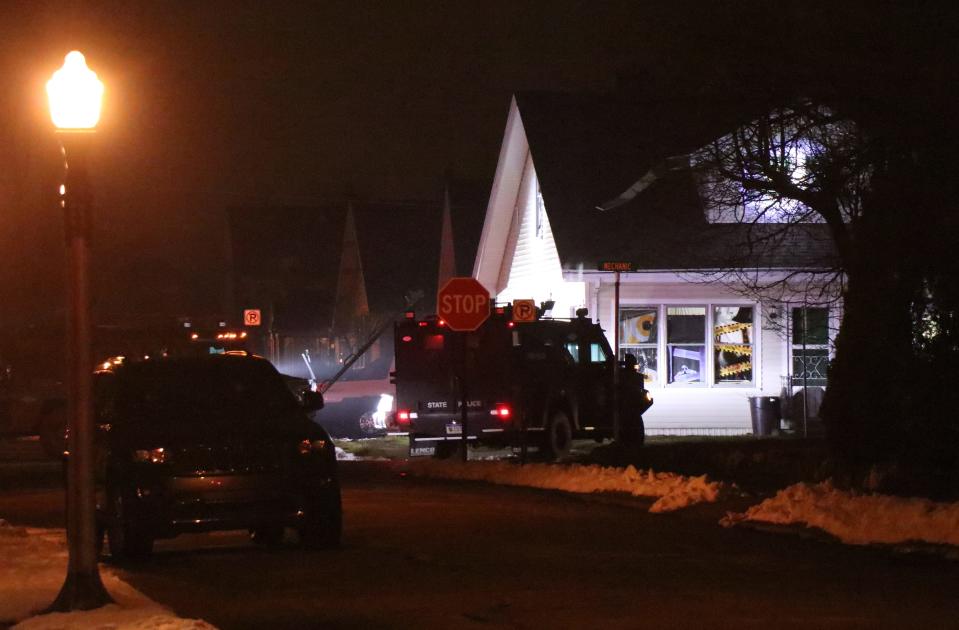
(150, 456)
(402, 417)
(311, 446)
(502, 411)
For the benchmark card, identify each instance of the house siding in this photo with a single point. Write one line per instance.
(534, 268)
(706, 407)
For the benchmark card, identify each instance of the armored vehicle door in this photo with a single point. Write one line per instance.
(594, 382)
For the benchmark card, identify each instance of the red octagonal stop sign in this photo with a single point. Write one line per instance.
(463, 303)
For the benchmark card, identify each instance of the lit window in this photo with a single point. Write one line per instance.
(572, 348)
(639, 336)
(686, 343)
(597, 354)
(540, 212)
(733, 344)
(810, 346)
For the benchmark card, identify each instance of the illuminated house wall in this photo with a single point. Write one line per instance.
(517, 256)
(705, 347)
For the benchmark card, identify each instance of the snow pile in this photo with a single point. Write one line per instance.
(344, 455)
(673, 491)
(33, 565)
(857, 518)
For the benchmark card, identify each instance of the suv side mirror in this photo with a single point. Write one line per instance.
(310, 400)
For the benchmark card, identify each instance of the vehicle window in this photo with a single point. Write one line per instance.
(422, 354)
(572, 348)
(204, 396)
(597, 354)
(434, 342)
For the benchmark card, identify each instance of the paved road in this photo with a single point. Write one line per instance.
(429, 554)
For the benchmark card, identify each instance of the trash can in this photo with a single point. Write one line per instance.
(765, 413)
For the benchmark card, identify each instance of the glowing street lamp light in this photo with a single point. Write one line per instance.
(75, 96)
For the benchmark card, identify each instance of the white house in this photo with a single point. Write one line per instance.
(585, 179)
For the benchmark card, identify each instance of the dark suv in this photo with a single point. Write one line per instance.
(210, 443)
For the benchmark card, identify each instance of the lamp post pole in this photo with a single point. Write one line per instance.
(82, 589)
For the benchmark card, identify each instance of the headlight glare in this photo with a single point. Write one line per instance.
(150, 456)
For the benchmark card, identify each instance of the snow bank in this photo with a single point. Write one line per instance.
(342, 455)
(33, 565)
(673, 491)
(857, 518)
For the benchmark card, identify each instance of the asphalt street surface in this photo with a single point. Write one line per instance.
(433, 554)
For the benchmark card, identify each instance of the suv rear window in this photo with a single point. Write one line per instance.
(202, 396)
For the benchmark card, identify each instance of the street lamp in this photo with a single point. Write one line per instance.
(75, 96)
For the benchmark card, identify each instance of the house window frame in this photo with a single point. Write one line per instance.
(624, 347)
(707, 379)
(796, 378)
(539, 212)
(705, 371)
(753, 344)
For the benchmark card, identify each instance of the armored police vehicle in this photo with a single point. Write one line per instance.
(541, 384)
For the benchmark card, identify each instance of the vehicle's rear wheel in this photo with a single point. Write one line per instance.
(558, 437)
(322, 527)
(448, 450)
(127, 539)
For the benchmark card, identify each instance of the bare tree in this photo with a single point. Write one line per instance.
(796, 170)
(791, 174)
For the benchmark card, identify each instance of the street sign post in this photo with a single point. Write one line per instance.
(464, 304)
(251, 317)
(617, 267)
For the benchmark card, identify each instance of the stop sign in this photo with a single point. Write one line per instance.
(463, 303)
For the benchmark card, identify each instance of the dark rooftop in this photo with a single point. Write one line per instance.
(291, 254)
(589, 148)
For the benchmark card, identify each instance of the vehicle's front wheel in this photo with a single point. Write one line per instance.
(448, 450)
(632, 431)
(127, 539)
(559, 436)
(322, 527)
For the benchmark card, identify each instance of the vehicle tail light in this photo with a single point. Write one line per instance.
(501, 411)
(311, 446)
(402, 416)
(150, 456)
(422, 324)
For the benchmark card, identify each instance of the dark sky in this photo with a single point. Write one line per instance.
(217, 103)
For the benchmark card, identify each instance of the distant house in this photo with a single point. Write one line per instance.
(587, 179)
(324, 275)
